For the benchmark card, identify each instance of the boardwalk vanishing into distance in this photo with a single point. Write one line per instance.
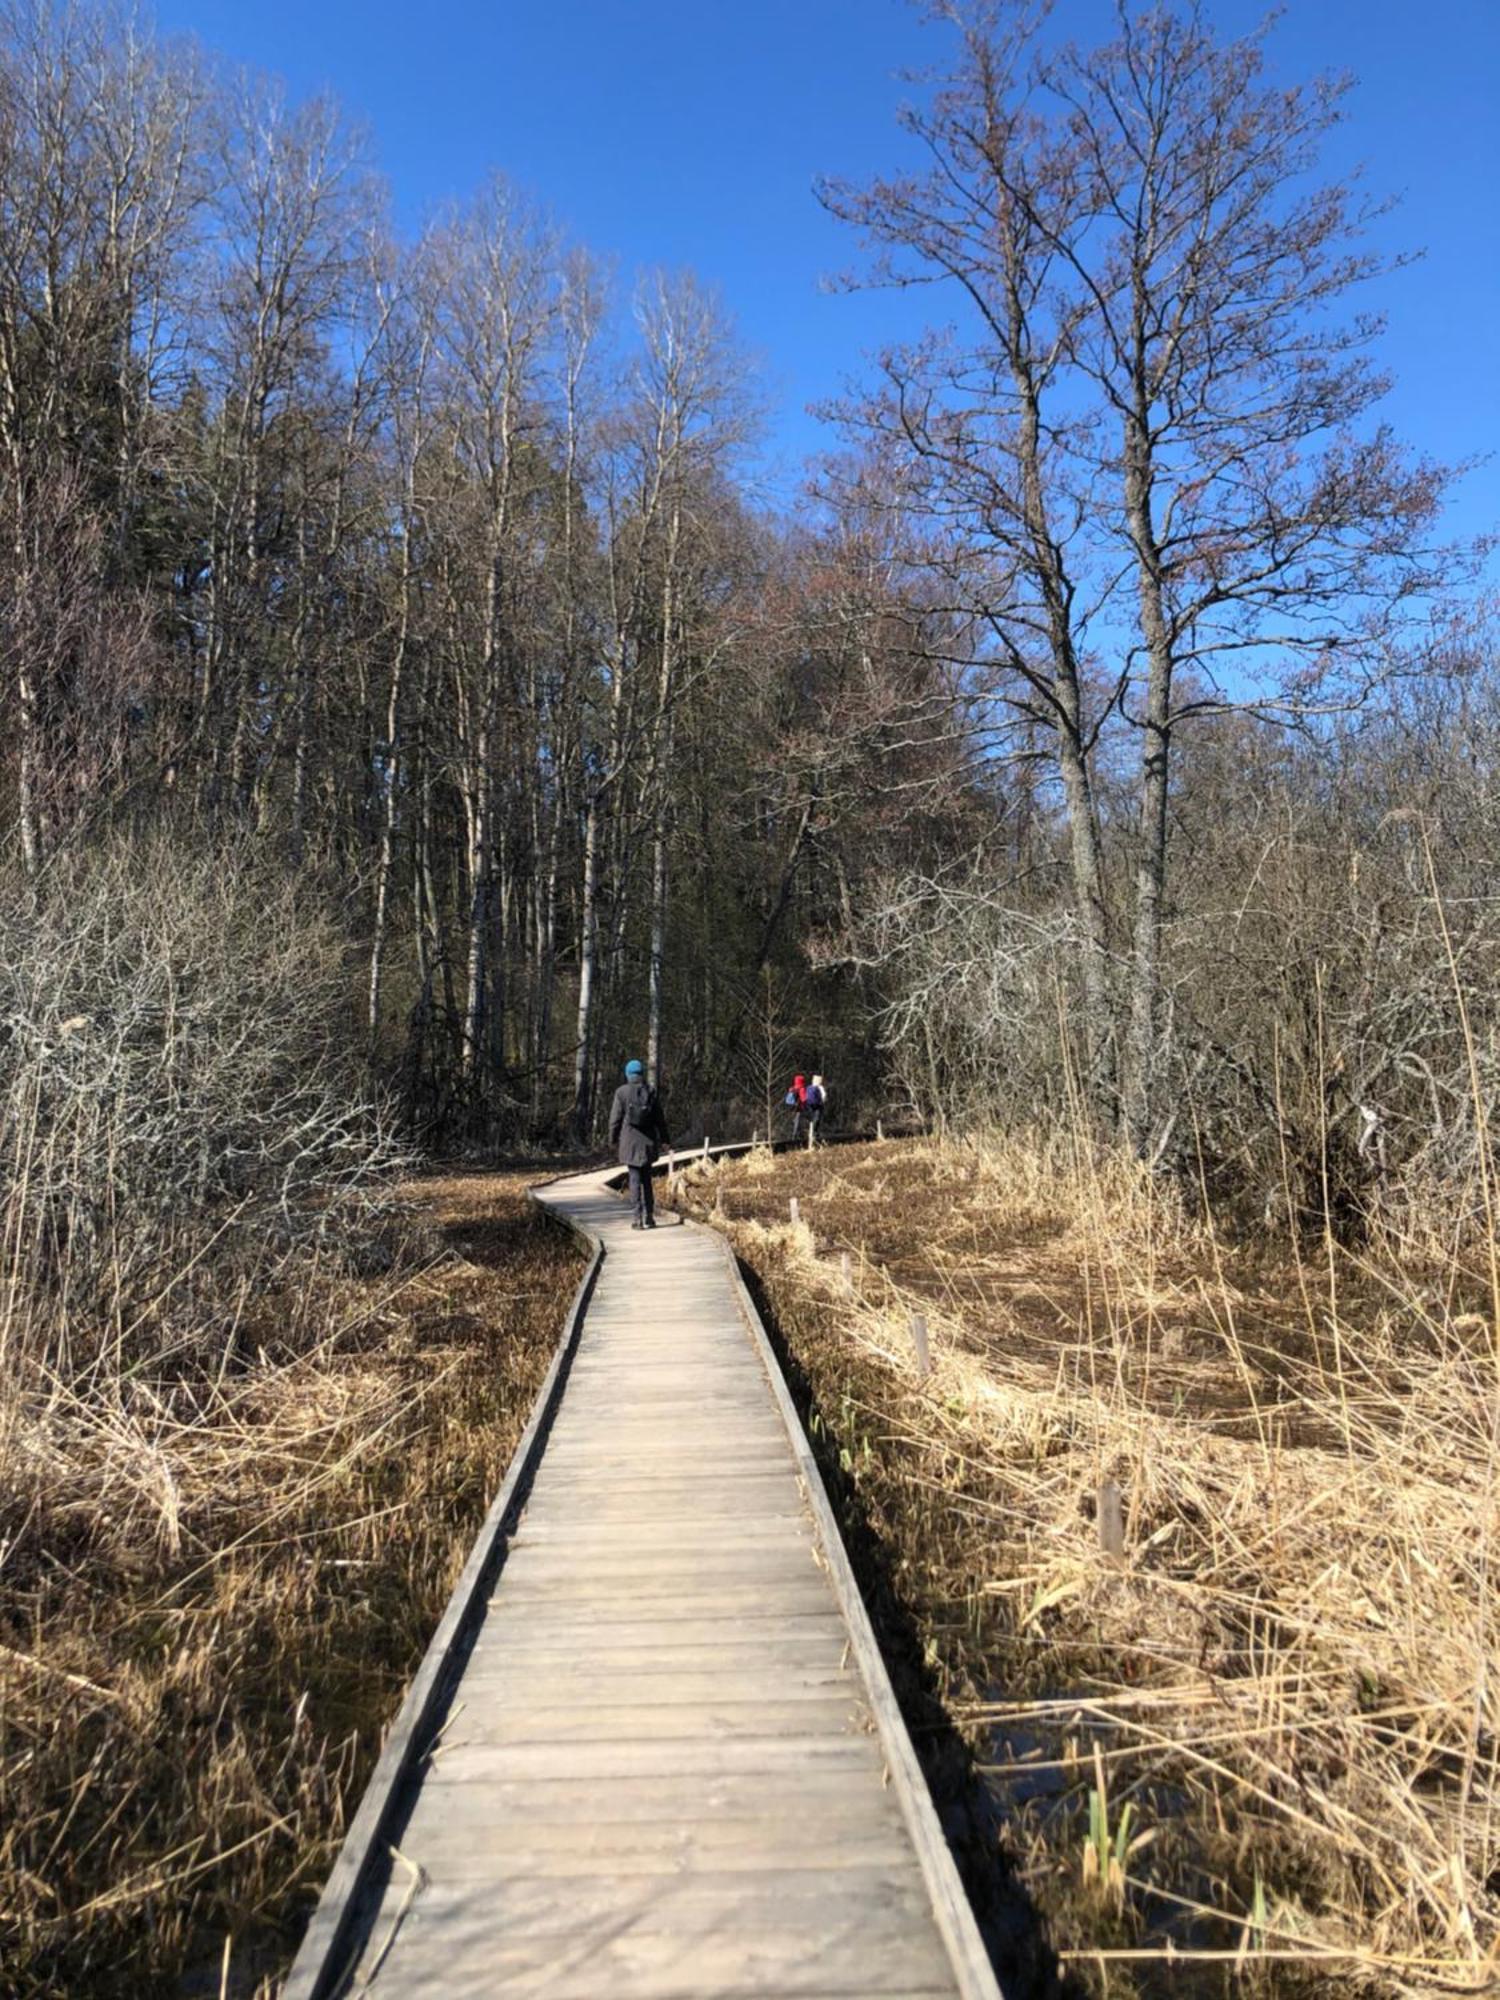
(652, 1753)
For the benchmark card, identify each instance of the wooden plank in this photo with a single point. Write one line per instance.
(657, 1572)
(606, 1721)
(789, 1554)
(537, 1530)
(463, 1761)
(562, 1852)
(651, 1502)
(585, 1688)
(766, 1638)
(596, 1621)
(523, 1907)
(643, 1465)
(467, 1954)
(738, 1485)
(686, 1650)
(672, 1425)
(454, 1801)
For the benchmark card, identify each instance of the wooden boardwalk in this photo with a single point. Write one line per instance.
(658, 1757)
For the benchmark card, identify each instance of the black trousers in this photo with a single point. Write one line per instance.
(642, 1194)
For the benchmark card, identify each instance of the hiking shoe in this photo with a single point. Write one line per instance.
(637, 1225)
(650, 1222)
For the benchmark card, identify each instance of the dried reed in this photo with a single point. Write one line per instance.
(1291, 1682)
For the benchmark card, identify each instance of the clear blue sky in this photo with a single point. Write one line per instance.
(689, 133)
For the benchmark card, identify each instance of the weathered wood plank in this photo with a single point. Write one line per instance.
(463, 1761)
(468, 1949)
(523, 1907)
(497, 1721)
(584, 1687)
(566, 1853)
(687, 1578)
(541, 1530)
(824, 1647)
(451, 1797)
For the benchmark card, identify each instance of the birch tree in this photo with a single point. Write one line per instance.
(100, 176)
(495, 314)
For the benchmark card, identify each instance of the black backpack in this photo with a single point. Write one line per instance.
(640, 1109)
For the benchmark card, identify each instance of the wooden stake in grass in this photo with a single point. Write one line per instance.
(796, 1212)
(844, 1271)
(1111, 1521)
(919, 1342)
(705, 1145)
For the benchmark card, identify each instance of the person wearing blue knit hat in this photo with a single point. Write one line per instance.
(638, 1131)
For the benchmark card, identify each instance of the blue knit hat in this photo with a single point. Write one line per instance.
(634, 1069)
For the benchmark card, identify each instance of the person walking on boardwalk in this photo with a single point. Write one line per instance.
(795, 1099)
(813, 1101)
(638, 1130)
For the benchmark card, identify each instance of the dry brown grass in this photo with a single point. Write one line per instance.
(1290, 1679)
(215, 1585)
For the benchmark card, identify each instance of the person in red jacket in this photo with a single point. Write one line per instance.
(796, 1099)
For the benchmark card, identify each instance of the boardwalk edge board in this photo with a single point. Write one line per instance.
(321, 1963)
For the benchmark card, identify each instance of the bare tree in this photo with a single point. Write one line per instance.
(99, 139)
(1162, 394)
(978, 437)
(288, 219)
(1274, 537)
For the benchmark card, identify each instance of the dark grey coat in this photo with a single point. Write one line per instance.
(636, 1148)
